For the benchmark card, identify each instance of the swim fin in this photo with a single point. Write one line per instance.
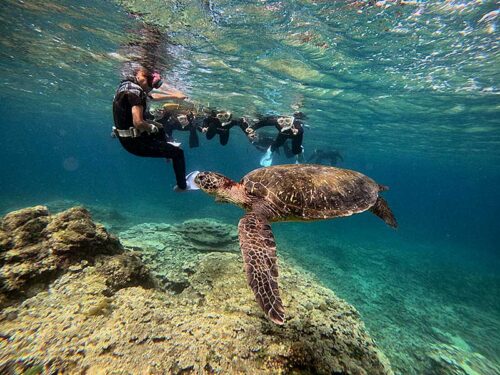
(190, 184)
(267, 159)
(174, 143)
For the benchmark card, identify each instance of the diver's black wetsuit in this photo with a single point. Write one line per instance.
(215, 126)
(171, 122)
(319, 156)
(283, 135)
(263, 142)
(130, 94)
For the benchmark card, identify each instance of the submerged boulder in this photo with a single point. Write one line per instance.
(35, 247)
(104, 314)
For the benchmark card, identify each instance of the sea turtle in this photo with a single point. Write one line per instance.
(303, 192)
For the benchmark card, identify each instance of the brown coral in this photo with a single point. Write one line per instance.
(36, 247)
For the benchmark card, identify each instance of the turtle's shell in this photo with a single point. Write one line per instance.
(311, 192)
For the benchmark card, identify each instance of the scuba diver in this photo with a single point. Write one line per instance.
(141, 136)
(319, 155)
(289, 127)
(220, 123)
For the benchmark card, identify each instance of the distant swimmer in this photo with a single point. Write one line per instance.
(289, 127)
(143, 137)
(262, 142)
(220, 123)
(179, 119)
(331, 156)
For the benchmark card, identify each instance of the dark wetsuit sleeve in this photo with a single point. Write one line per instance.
(298, 125)
(242, 124)
(267, 121)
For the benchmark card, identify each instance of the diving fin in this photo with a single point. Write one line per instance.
(174, 143)
(190, 184)
(267, 159)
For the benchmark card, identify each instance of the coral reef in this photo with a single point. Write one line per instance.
(102, 312)
(453, 360)
(172, 251)
(35, 247)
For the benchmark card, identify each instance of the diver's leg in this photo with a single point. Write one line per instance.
(211, 132)
(278, 142)
(297, 148)
(224, 137)
(179, 164)
(175, 153)
(297, 144)
(137, 147)
(156, 146)
(193, 138)
(288, 150)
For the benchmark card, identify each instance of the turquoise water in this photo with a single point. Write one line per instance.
(408, 94)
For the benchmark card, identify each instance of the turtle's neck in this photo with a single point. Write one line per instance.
(236, 194)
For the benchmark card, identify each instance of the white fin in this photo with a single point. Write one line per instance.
(190, 184)
(267, 159)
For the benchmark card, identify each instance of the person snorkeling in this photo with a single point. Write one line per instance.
(221, 122)
(262, 142)
(141, 136)
(320, 155)
(289, 127)
(175, 117)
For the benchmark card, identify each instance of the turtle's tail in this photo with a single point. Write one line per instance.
(383, 187)
(382, 210)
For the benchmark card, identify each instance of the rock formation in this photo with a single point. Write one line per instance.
(76, 302)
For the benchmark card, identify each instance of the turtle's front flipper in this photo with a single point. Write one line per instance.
(259, 255)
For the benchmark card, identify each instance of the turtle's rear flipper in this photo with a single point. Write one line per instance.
(382, 210)
(259, 255)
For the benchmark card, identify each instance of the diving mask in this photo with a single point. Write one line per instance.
(184, 120)
(156, 80)
(224, 116)
(285, 122)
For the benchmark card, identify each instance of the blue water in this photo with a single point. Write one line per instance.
(408, 94)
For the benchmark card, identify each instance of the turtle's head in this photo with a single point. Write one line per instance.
(213, 183)
(224, 189)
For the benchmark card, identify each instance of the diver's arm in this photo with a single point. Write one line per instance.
(140, 123)
(167, 93)
(264, 122)
(159, 96)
